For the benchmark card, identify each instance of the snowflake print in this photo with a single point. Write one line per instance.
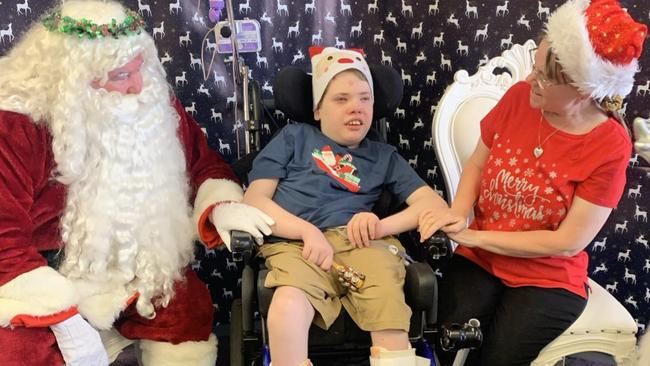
(517, 171)
(512, 161)
(519, 152)
(489, 171)
(561, 211)
(512, 223)
(529, 172)
(548, 212)
(526, 226)
(548, 190)
(496, 136)
(552, 174)
(496, 215)
(525, 160)
(559, 198)
(498, 162)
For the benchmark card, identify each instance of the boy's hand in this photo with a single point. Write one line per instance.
(432, 220)
(317, 249)
(362, 228)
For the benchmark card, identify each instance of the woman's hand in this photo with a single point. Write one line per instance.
(432, 220)
(362, 228)
(317, 249)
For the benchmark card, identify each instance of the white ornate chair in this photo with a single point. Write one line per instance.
(605, 325)
(642, 134)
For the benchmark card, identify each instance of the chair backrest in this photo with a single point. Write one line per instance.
(456, 123)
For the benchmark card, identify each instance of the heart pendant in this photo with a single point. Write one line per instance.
(538, 151)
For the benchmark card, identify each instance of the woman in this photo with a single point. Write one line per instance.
(545, 175)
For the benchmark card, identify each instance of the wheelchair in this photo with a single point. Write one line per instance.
(248, 335)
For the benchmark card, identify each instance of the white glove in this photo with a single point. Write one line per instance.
(239, 216)
(79, 343)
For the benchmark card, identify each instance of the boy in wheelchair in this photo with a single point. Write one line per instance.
(319, 186)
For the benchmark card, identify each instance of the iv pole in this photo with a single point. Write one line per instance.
(240, 71)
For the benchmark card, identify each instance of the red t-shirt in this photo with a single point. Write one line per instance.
(520, 192)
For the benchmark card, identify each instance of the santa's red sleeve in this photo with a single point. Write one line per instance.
(211, 178)
(31, 293)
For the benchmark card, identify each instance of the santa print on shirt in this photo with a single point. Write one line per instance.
(338, 167)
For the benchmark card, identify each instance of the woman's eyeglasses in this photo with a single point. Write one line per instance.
(542, 80)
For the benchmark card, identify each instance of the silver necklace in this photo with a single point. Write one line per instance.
(538, 151)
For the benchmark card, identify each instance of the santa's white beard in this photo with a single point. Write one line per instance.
(127, 218)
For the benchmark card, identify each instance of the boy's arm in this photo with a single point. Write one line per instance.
(287, 225)
(423, 198)
(315, 249)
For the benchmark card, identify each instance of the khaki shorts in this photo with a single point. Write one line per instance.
(378, 305)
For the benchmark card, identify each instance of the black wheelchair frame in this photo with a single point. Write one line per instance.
(248, 330)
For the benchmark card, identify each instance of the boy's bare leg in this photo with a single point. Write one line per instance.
(289, 319)
(392, 348)
(390, 339)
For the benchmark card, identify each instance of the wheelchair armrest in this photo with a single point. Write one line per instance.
(420, 286)
(241, 245)
(438, 246)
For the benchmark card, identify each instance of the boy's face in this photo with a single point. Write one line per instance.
(345, 111)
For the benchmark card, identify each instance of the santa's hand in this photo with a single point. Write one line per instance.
(79, 342)
(239, 216)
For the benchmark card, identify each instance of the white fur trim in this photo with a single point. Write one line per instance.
(213, 191)
(114, 343)
(101, 303)
(39, 292)
(182, 354)
(99, 12)
(592, 75)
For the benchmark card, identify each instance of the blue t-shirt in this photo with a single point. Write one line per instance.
(325, 183)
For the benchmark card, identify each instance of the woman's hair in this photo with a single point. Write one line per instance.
(356, 72)
(555, 72)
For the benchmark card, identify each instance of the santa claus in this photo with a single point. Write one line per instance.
(100, 161)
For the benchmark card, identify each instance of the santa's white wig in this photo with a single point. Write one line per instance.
(127, 217)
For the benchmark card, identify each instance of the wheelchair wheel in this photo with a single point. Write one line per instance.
(236, 336)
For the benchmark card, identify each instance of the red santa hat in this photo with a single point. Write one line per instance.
(598, 45)
(329, 61)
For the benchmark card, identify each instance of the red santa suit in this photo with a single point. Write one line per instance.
(34, 296)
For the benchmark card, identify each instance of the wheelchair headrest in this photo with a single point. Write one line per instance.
(293, 93)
